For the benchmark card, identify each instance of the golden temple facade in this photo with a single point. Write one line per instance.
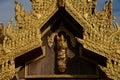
(100, 34)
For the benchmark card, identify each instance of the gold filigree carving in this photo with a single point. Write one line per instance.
(51, 39)
(99, 35)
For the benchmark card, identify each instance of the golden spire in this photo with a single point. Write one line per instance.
(16, 1)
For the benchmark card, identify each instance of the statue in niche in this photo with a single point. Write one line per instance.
(61, 53)
(61, 41)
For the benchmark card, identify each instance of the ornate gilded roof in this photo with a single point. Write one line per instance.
(101, 31)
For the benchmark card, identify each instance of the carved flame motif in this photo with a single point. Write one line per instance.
(42, 5)
(61, 53)
(101, 34)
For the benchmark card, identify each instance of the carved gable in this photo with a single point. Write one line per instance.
(60, 38)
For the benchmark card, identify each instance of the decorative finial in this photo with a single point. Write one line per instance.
(1, 23)
(111, 1)
(61, 3)
(16, 1)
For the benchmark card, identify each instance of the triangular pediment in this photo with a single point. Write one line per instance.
(70, 36)
(78, 63)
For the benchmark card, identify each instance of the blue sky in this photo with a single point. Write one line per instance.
(7, 8)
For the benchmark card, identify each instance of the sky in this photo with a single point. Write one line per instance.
(7, 8)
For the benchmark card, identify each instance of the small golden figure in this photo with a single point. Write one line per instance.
(61, 53)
